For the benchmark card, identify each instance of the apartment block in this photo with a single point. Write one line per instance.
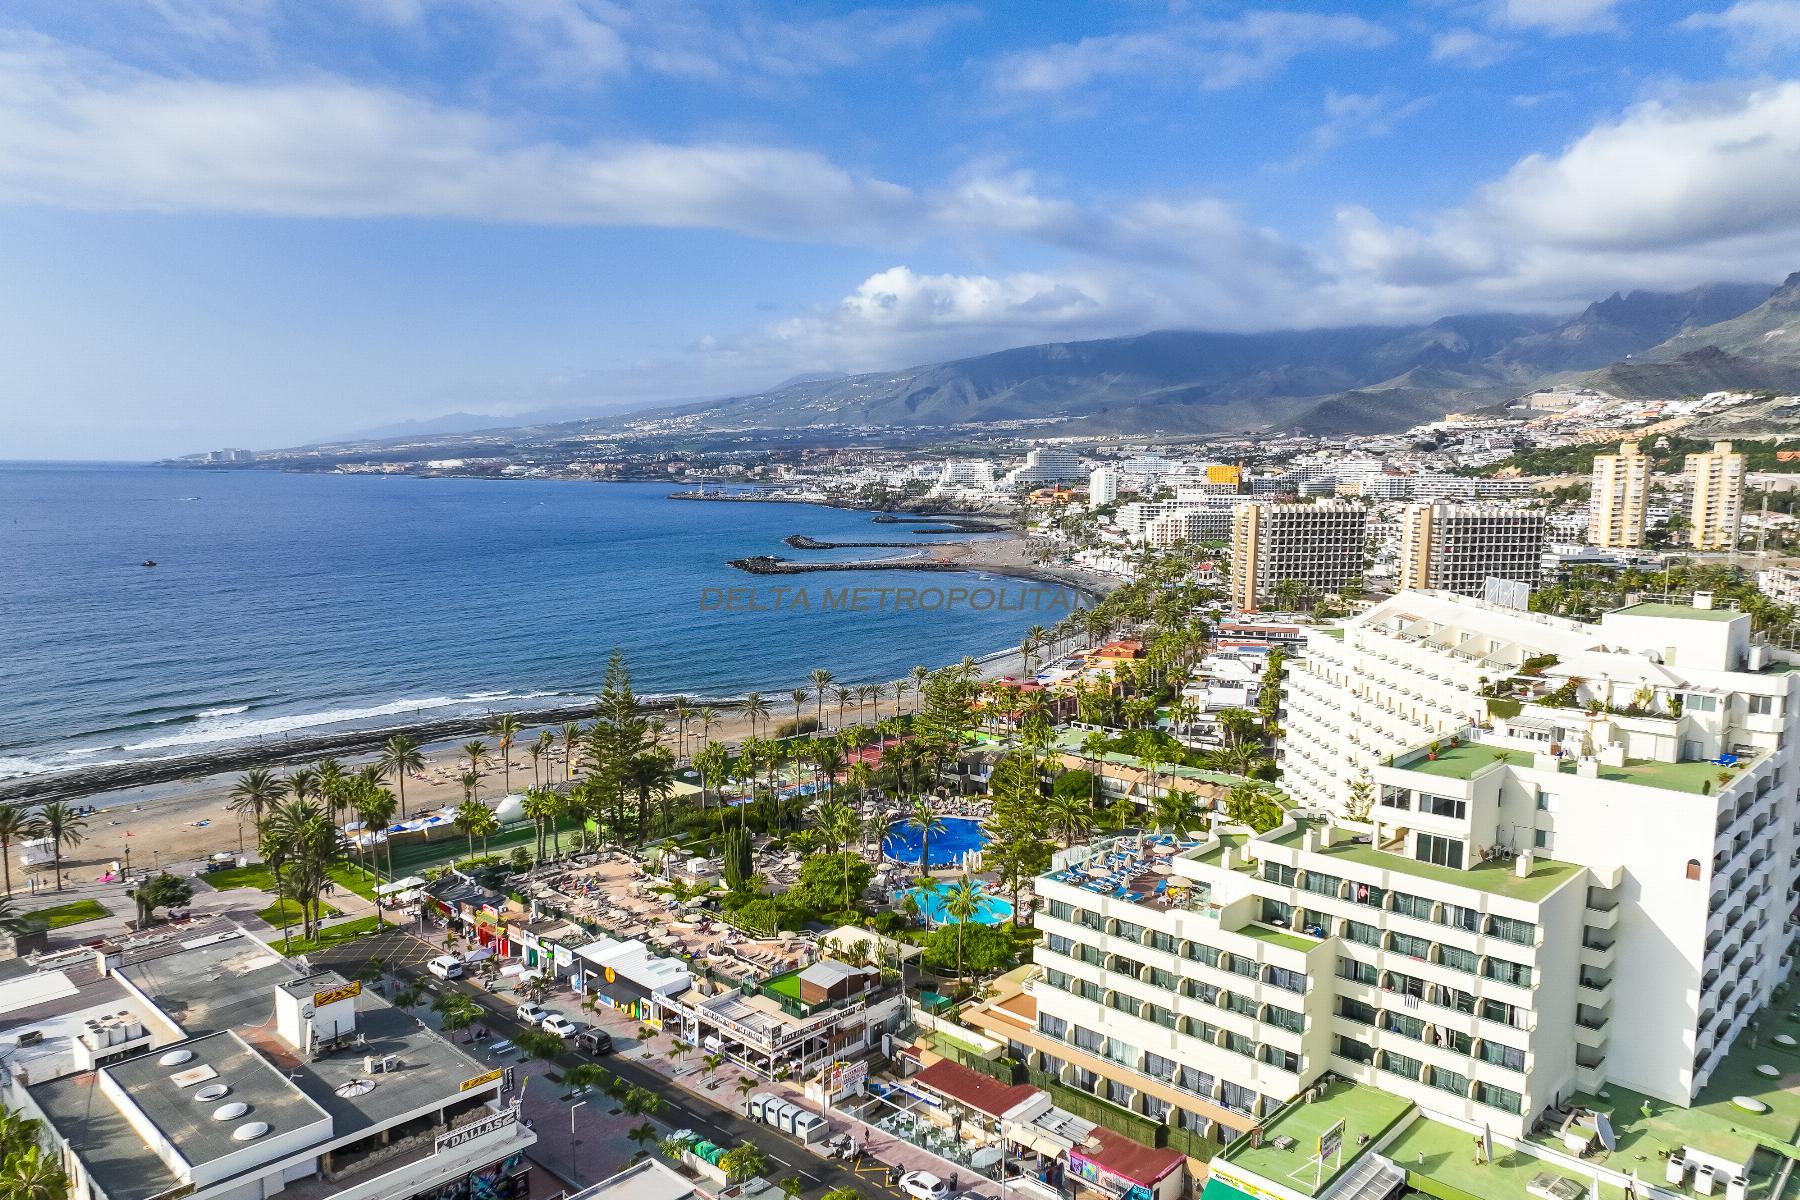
(1320, 545)
(1457, 548)
(1621, 487)
(1103, 486)
(1715, 488)
(1584, 891)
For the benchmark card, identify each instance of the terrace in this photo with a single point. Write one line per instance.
(1290, 1141)
(1441, 1161)
(1128, 868)
(1499, 877)
(1469, 759)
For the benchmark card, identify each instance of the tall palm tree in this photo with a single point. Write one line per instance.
(651, 774)
(59, 822)
(400, 758)
(821, 681)
(1071, 817)
(331, 784)
(756, 708)
(375, 807)
(303, 783)
(928, 824)
(504, 730)
(710, 760)
(841, 826)
(682, 714)
(17, 824)
(540, 750)
(256, 792)
(842, 696)
(798, 696)
(301, 843)
(919, 675)
(961, 902)
(571, 735)
(477, 753)
(709, 717)
(471, 817)
(540, 807)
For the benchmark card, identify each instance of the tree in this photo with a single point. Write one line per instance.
(756, 708)
(742, 1162)
(841, 827)
(471, 817)
(961, 904)
(928, 823)
(456, 1011)
(300, 844)
(535, 1043)
(504, 731)
(1247, 804)
(642, 1135)
(256, 791)
(375, 807)
(571, 737)
(11, 920)
(738, 863)
(1072, 817)
(791, 1187)
(711, 761)
(540, 749)
(540, 807)
(17, 824)
(1361, 800)
(401, 757)
(651, 773)
(163, 891)
(821, 682)
(477, 754)
(798, 696)
(744, 1086)
(60, 823)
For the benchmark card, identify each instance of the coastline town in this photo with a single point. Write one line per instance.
(1404, 814)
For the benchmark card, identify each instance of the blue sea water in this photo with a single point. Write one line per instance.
(288, 604)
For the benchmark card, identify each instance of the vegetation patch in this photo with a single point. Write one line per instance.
(331, 936)
(75, 912)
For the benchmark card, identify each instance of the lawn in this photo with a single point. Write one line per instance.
(414, 854)
(273, 914)
(73, 913)
(331, 936)
(1440, 1161)
(257, 875)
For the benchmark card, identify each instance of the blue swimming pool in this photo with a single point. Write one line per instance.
(958, 836)
(991, 911)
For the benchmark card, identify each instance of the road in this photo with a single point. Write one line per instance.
(405, 956)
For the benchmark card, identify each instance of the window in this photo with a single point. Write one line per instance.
(1455, 999)
(1406, 985)
(1400, 1064)
(1440, 851)
(1060, 944)
(1448, 1081)
(1504, 1014)
(1168, 981)
(1695, 703)
(1363, 893)
(1365, 935)
(1168, 943)
(1274, 912)
(1456, 958)
(1237, 1098)
(1197, 990)
(1191, 1122)
(1458, 917)
(1156, 1110)
(1275, 1056)
(1517, 974)
(1062, 910)
(1161, 1015)
(1130, 932)
(1087, 1039)
(1061, 980)
(1499, 1097)
(1693, 868)
(1082, 1079)
(1093, 991)
(1356, 1010)
(1405, 1026)
(1357, 972)
(1521, 933)
(1355, 1051)
(1200, 952)
(1286, 980)
(1276, 873)
(1238, 1043)
(1194, 1080)
(1054, 1027)
(1546, 802)
(1283, 1018)
(1543, 839)
(1323, 885)
(1510, 1057)
(1417, 907)
(1443, 806)
(1450, 1039)
(1090, 955)
(1397, 798)
(1124, 1003)
(1092, 919)
(1158, 1067)
(1412, 947)
(1244, 1006)
(1247, 967)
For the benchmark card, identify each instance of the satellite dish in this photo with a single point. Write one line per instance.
(1603, 1127)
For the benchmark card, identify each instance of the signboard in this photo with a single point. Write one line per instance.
(479, 1081)
(333, 995)
(1331, 1142)
(847, 1076)
(468, 1133)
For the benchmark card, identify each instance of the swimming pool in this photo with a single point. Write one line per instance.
(991, 910)
(958, 836)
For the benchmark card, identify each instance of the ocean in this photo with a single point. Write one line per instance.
(287, 605)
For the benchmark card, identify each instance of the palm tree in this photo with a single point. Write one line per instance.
(841, 827)
(1071, 817)
(683, 714)
(821, 682)
(928, 824)
(798, 696)
(755, 707)
(400, 758)
(257, 790)
(59, 822)
(471, 817)
(540, 806)
(709, 717)
(504, 730)
(17, 824)
(301, 843)
(919, 675)
(375, 809)
(842, 697)
(710, 760)
(539, 748)
(642, 1135)
(11, 921)
(961, 903)
(477, 754)
(30, 1173)
(571, 735)
(457, 1011)
(744, 1086)
(651, 773)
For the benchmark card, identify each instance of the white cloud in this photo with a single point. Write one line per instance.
(1216, 54)
(1350, 117)
(1558, 16)
(1759, 29)
(1468, 46)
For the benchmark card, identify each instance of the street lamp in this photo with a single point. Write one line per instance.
(572, 1177)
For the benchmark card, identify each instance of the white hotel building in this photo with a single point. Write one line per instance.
(1563, 902)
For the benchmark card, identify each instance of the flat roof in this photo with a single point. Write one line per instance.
(1440, 1161)
(1465, 761)
(1683, 612)
(1497, 878)
(112, 1152)
(1362, 1109)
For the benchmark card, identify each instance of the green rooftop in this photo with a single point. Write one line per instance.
(1276, 937)
(1364, 1110)
(1440, 1161)
(1498, 878)
(1464, 762)
(1211, 856)
(1683, 612)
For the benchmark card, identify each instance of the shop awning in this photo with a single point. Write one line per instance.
(1218, 1189)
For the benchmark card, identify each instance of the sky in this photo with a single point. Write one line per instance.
(263, 222)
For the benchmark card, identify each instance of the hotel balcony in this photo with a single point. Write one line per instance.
(1597, 952)
(1595, 991)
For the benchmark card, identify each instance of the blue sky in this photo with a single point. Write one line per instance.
(259, 222)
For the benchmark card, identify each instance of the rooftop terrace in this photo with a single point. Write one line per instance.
(1498, 878)
(1684, 612)
(1465, 761)
(1364, 1110)
(1440, 1161)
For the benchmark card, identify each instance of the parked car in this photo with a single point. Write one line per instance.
(532, 1014)
(594, 1041)
(446, 966)
(561, 1026)
(923, 1185)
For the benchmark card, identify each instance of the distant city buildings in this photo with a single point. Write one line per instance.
(1715, 487)
(1318, 545)
(1457, 548)
(1621, 489)
(1044, 464)
(229, 456)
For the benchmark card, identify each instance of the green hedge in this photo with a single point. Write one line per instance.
(1089, 1107)
(1194, 1145)
(1506, 710)
(1006, 1070)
